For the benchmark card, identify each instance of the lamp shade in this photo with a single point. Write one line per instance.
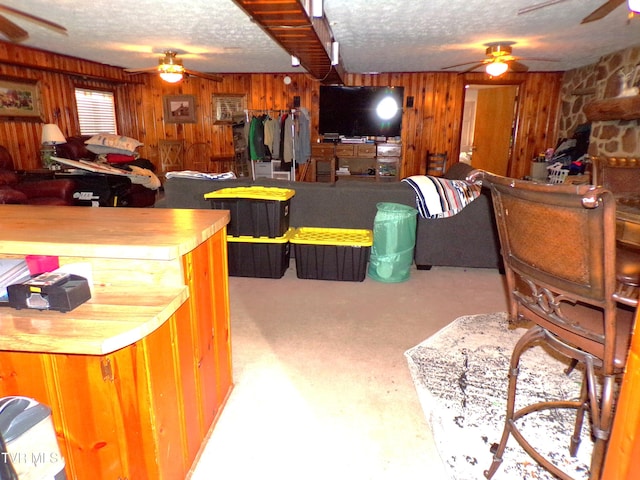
(495, 69)
(51, 135)
(634, 5)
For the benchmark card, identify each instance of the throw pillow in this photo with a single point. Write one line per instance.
(119, 142)
(119, 158)
(102, 150)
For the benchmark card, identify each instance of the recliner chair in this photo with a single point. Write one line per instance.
(15, 190)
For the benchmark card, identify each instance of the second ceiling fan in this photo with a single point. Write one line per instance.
(602, 11)
(499, 60)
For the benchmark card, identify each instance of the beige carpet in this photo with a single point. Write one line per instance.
(323, 390)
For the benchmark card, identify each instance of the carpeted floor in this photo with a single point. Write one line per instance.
(460, 374)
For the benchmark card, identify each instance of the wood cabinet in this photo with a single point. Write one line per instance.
(323, 162)
(136, 376)
(362, 161)
(358, 159)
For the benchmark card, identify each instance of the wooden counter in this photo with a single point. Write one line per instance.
(621, 462)
(136, 376)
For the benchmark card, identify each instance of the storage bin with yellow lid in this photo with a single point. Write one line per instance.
(261, 257)
(332, 253)
(255, 211)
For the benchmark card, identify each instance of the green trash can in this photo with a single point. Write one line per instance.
(394, 239)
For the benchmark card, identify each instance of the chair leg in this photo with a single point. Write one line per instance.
(602, 422)
(533, 335)
(584, 405)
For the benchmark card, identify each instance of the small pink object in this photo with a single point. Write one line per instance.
(41, 263)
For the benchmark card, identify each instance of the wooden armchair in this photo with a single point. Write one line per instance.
(436, 164)
(559, 250)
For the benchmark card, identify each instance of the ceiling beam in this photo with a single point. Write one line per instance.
(291, 27)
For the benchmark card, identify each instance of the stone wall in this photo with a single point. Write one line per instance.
(612, 138)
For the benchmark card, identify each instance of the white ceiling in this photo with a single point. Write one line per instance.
(374, 35)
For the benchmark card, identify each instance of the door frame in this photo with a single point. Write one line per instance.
(469, 80)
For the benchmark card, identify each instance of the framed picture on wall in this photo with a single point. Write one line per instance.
(179, 109)
(228, 105)
(20, 99)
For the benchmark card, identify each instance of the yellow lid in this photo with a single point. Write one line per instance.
(254, 193)
(249, 239)
(333, 236)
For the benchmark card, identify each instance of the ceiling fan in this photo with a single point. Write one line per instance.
(499, 60)
(171, 70)
(602, 11)
(16, 33)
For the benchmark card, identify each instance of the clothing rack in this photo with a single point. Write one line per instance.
(280, 111)
(291, 175)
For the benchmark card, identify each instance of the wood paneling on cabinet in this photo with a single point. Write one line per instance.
(432, 124)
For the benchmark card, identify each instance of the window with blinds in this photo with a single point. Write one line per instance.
(96, 111)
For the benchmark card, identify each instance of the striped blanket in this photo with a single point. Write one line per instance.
(438, 197)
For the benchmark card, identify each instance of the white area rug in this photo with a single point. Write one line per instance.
(460, 374)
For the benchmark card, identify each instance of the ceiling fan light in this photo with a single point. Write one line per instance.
(171, 77)
(171, 72)
(634, 5)
(495, 69)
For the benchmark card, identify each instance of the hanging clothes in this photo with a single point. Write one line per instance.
(287, 139)
(270, 125)
(302, 143)
(283, 119)
(277, 141)
(256, 139)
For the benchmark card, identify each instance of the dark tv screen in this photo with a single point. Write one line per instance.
(361, 111)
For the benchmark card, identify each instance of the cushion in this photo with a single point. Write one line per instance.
(119, 158)
(8, 177)
(112, 141)
(9, 195)
(103, 150)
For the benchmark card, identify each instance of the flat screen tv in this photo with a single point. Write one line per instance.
(361, 111)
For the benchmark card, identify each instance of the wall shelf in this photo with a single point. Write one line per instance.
(618, 108)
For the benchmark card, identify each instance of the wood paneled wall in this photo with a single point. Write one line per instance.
(432, 124)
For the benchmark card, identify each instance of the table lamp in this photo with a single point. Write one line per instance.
(51, 136)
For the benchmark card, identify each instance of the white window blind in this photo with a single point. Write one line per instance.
(96, 111)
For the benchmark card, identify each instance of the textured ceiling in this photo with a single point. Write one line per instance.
(374, 35)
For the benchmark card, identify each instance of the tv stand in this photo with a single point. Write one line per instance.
(379, 162)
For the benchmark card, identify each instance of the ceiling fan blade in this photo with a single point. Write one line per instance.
(516, 66)
(33, 18)
(463, 64)
(208, 76)
(12, 31)
(538, 6)
(604, 10)
(477, 65)
(141, 70)
(538, 59)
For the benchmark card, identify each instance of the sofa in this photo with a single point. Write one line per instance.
(18, 189)
(468, 239)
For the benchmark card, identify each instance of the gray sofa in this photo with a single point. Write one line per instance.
(468, 239)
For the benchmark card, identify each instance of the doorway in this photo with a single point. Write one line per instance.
(488, 124)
